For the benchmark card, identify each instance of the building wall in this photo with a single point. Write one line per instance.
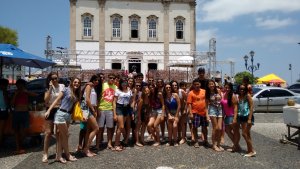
(142, 8)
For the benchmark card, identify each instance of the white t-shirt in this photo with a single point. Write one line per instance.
(123, 98)
(54, 92)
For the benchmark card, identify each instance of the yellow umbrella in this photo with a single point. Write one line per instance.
(270, 78)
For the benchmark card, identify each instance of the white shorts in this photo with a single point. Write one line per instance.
(106, 118)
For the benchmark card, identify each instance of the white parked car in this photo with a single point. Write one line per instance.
(272, 99)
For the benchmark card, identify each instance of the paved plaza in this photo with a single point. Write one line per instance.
(266, 134)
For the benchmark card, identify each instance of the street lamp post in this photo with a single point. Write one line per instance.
(252, 68)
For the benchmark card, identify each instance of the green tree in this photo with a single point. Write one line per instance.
(239, 77)
(8, 35)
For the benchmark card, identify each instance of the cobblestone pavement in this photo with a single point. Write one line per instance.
(266, 133)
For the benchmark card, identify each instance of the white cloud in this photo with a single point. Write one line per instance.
(263, 40)
(273, 23)
(203, 36)
(225, 10)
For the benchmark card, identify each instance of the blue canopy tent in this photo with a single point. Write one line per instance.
(9, 54)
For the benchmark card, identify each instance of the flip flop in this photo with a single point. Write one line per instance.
(196, 145)
(72, 158)
(61, 160)
(45, 158)
(118, 148)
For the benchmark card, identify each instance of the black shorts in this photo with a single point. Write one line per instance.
(244, 119)
(52, 114)
(3, 114)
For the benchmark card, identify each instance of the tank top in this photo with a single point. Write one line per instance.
(108, 93)
(171, 104)
(215, 100)
(180, 94)
(21, 99)
(229, 111)
(93, 97)
(155, 103)
(243, 107)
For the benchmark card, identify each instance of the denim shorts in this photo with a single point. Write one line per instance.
(62, 117)
(156, 112)
(122, 110)
(215, 111)
(20, 120)
(228, 120)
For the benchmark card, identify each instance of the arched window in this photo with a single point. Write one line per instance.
(116, 28)
(87, 26)
(152, 28)
(179, 29)
(134, 28)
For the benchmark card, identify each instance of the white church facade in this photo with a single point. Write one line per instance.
(134, 35)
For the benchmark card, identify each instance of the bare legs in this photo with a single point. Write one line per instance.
(173, 130)
(120, 129)
(216, 132)
(64, 142)
(49, 125)
(92, 130)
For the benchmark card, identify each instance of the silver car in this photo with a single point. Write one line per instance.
(272, 99)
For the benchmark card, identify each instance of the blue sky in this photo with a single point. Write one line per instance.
(271, 28)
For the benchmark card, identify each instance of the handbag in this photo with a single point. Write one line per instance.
(77, 114)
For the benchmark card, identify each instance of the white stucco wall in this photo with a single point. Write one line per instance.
(88, 46)
(91, 7)
(126, 9)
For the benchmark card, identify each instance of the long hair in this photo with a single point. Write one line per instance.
(75, 95)
(215, 90)
(122, 80)
(172, 89)
(229, 94)
(144, 93)
(48, 79)
(98, 88)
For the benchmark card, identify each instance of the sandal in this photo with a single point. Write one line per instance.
(182, 141)
(156, 144)
(252, 154)
(196, 145)
(88, 154)
(118, 148)
(45, 158)
(139, 144)
(61, 160)
(72, 158)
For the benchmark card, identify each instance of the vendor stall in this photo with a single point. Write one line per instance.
(291, 117)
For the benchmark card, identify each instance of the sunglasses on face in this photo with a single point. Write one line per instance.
(137, 85)
(112, 78)
(54, 78)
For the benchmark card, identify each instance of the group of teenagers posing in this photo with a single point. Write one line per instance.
(129, 103)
